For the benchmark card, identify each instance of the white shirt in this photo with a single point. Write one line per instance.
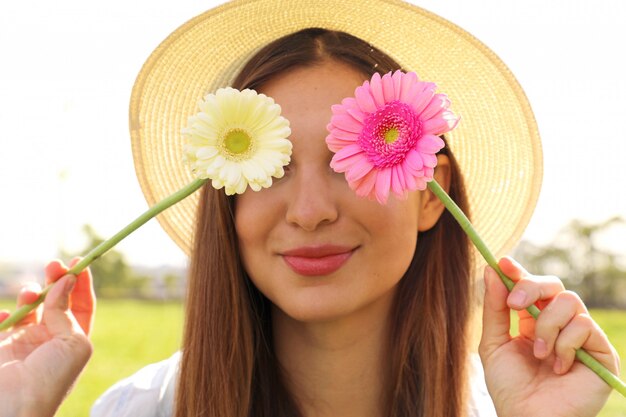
(150, 392)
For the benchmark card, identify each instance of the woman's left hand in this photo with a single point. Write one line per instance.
(535, 374)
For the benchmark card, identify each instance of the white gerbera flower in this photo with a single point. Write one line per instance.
(238, 139)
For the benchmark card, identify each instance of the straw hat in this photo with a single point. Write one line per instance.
(497, 143)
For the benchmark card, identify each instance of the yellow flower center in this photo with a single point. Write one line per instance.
(237, 142)
(391, 135)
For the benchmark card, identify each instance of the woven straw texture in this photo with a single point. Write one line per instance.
(496, 143)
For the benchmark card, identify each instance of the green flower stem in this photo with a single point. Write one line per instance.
(102, 248)
(465, 224)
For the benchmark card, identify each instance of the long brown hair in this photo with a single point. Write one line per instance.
(228, 365)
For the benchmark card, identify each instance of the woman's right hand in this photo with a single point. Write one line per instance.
(43, 355)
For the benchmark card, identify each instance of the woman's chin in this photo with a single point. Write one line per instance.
(336, 306)
(312, 312)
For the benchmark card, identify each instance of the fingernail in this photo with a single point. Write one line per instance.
(540, 348)
(517, 298)
(558, 365)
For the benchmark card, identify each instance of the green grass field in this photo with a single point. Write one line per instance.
(613, 323)
(127, 336)
(131, 334)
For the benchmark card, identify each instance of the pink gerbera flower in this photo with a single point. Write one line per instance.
(386, 136)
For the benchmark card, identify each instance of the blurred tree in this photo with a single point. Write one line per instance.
(112, 275)
(173, 287)
(575, 256)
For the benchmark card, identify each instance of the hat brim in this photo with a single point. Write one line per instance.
(496, 143)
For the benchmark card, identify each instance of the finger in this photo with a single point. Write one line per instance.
(54, 271)
(496, 315)
(56, 314)
(529, 289)
(517, 273)
(540, 291)
(583, 332)
(28, 294)
(4, 314)
(534, 289)
(512, 268)
(63, 360)
(526, 325)
(554, 317)
(83, 299)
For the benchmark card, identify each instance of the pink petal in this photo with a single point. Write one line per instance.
(421, 183)
(376, 89)
(397, 84)
(365, 185)
(346, 157)
(408, 87)
(347, 123)
(352, 149)
(338, 138)
(364, 98)
(409, 179)
(438, 102)
(398, 185)
(416, 174)
(335, 144)
(453, 121)
(428, 174)
(430, 160)
(424, 97)
(383, 183)
(430, 144)
(410, 93)
(350, 107)
(343, 135)
(349, 102)
(338, 109)
(358, 170)
(442, 123)
(414, 160)
(356, 113)
(388, 88)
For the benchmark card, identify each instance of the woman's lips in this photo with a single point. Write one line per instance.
(317, 260)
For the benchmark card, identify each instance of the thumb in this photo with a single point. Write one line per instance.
(56, 315)
(496, 315)
(60, 360)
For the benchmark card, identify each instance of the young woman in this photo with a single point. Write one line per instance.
(275, 329)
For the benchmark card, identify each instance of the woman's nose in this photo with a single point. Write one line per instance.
(312, 201)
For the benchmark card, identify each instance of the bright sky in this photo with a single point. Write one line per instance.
(68, 66)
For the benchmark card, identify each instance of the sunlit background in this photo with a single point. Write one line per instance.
(68, 66)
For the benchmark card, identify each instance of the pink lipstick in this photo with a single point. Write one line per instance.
(317, 260)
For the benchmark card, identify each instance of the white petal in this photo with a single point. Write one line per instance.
(255, 187)
(206, 152)
(241, 186)
(217, 184)
(252, 171)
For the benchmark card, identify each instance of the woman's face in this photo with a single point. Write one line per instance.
(308, 243)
